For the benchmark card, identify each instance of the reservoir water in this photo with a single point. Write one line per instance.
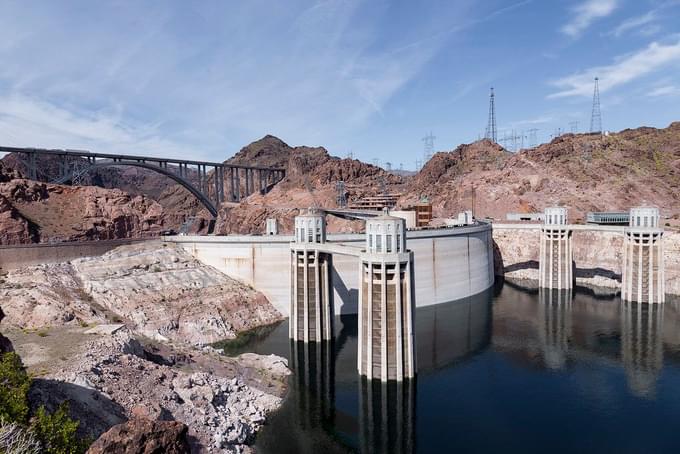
(512, 370)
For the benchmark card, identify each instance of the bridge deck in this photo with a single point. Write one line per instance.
(127, 157)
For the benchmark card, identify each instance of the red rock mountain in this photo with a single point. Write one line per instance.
(585, 172)
(32, 211)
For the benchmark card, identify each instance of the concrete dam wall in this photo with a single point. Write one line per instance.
(450, 264)
(21, 255)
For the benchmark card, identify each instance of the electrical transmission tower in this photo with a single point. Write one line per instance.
(341, 194)
(573, 126)
(596, 117)
(491, 125)
(532, 137)
(428, 146)
(79, 171)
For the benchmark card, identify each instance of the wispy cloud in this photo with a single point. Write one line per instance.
(636, 22)
(666, 90)
(625, 69)
(28, 121)
(531, 122)
(214, 75)
(587, 12)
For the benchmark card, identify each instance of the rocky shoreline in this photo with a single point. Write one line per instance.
(124, 339)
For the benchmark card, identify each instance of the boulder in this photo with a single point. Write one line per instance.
(5, 344)
(143, 436)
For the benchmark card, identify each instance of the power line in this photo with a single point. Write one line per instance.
(596, 116)
(491, 132)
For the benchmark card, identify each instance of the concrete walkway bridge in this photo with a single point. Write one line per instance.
(204, 180)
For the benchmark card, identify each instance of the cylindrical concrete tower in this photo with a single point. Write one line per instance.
(386, 302)
(555, 261)
(643, 265)
(311, 306)
(271, 226)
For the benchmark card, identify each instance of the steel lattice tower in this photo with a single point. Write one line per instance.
(491, 132)
(596, 117)
(428, 149)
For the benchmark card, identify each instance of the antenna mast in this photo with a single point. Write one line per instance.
(491, 125)
(596, 117)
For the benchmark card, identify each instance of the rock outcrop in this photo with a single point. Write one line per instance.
(161, 292)
(143, 436)
(111, 378)
(5, 344)
(585, 172)
(40, 212)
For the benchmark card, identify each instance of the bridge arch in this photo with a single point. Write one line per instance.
(207, 203)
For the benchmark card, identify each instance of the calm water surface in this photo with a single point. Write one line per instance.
(517, 371)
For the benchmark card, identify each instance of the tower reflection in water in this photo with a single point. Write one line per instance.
(387, 418)
(370, 416)
(642, 345)
(314, 381)
(555, 322)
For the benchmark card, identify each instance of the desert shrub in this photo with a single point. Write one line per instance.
(14, 385)
(54, 433)
(57, 431)
(16, 439)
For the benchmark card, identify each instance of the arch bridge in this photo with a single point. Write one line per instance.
(204, 180)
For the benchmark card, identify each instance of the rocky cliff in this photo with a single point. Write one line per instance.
(32, 212)
(160, 292)
(585, 172)
(5, 344)
(311, 177)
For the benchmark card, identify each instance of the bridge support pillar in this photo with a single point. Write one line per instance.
(555, 261)
(386, 303)
(235, 184)
(643, 263)
(311, 311)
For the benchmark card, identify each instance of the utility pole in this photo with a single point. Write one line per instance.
(491, 132)
(473, 200)
(505, 140)
(596, 116)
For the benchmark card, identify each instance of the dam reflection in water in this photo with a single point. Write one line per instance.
(486, 366)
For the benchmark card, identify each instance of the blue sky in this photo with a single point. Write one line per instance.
(202, 79)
